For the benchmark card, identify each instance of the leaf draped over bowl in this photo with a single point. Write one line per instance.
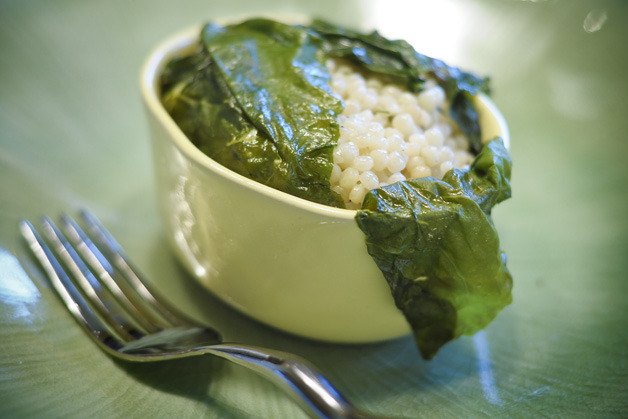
(438, 249)
(255, 97)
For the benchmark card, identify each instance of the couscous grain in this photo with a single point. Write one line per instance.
(388, 134)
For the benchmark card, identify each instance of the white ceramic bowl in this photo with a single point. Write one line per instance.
(296, 265)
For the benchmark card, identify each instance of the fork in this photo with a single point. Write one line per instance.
(106, 295)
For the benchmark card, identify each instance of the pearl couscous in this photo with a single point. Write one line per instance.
(388, 134)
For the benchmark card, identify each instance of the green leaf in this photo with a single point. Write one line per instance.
(256, 98)
(438, 249)
(466, 117)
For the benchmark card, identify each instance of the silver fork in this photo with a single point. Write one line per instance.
(107, 297)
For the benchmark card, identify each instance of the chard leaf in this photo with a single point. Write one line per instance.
(256, 98)
(438, 249)
(466, 117)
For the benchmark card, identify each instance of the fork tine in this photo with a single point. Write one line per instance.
(112, 250)
(86, 282)
(67, 291)
(102, 268)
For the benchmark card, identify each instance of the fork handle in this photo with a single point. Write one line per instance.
(297, 376)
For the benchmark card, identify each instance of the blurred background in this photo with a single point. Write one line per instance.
(73, 134)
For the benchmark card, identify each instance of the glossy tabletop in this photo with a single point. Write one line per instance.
(73, 134)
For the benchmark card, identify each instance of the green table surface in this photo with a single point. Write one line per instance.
(73, 134)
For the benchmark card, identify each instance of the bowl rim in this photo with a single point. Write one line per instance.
(181, 41)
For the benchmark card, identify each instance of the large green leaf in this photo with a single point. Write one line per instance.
(256, 98)
(438, 249)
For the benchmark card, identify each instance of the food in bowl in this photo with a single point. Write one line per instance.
(357, 121)
(388, 134)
